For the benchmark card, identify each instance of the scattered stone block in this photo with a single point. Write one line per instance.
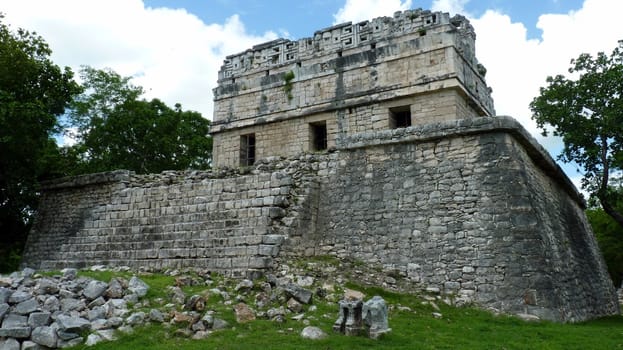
(45, 336)
(243, 313)
(375, 317)
(314, 333)
(95, 289)
(138, 287)
(349, 321)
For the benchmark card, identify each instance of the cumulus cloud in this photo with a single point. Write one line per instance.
(171, 53)
(359, 10)
(451, 6)
(518, 66)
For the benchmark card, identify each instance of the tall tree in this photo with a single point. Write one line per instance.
(33, 93)
(610, 238)
(118, 130)
(587, 112)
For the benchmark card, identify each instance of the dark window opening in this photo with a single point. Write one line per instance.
(339, 54)
(372, 46)
(318, 136)
(399, 117)
(247, 150)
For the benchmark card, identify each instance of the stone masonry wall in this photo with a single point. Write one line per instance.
(474, 209)
(172, 219)
(347, 76)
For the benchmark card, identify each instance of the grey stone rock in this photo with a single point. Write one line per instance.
(4, 309)
(99, 324)
(126, 329)
(72, 324)
(200, 335)
(115, 289)
(62, 343)
(98, 312)
(198, 326)
(208, 320)
(244, 286)
(243, 313)
(69, 273)
(220, 324)
(528, 317)
(63, 335)
(107, 334)
(99, 301)
(38, 319)
(27, 272)
(136, 319)
(18, 332)
(305, 281)
(95, 289)
(51, 304)
(131, 298)
(46, 286)
(9, 344)
(115, 322)
(45, 336)
(26, 307)
(299, 293)
(314, 333)
(294, 306)
(14, 320)
(374, 315)
(156, 315)
(71, 304)
(195, 303)
(138, 287)
(176, 295)
(31, 345)
(19, 296)
(93, 339)
(5, 293)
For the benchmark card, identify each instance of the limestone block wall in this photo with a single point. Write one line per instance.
(474, 208)
(349, 76)
(167, 220)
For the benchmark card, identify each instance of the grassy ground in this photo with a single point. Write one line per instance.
(413, 327)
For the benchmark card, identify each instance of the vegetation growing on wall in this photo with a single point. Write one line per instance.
(287, 87)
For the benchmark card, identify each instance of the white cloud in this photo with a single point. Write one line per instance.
(518, 66)
(359, 10)
(170, 52)
(451, 6)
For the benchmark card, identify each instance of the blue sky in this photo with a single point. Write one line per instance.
(174, 48)
(302, 18)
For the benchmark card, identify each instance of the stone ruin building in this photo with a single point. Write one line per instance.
(375, 141)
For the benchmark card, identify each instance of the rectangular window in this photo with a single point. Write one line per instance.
(318, 135)
(399, 117)
(247, 150)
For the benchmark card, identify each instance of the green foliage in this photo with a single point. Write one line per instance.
(610, 238)
(287, 87)
(588, 114)
(33, 93)
(117, 130)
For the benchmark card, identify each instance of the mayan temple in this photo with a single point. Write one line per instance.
(374, 141)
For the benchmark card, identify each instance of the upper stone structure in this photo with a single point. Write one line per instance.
(284, 97)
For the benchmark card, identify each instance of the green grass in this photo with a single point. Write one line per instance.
(413, 328)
